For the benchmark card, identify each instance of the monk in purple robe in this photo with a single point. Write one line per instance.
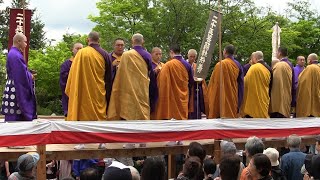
(118, 49)
(199, 105)
(156, 55)
(19, 100)
(64, 73)
(299, 68)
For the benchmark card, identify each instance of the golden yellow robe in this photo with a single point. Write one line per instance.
(225, 92)
(173, 80)
(86, 87)
(281, 89)
(130, 91)
(308, 93)
(256, 92)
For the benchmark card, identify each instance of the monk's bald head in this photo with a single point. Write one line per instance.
(301, 61)
(93, 37)
(156, 54)
(192, 55)
(312, 57)
(137, 39)
(76, 47)
(20, 41)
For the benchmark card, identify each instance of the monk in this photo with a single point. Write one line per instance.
(134, 90)
(64, 73)
(175, 82)
(19, 100)
(118, 49)
(257, 84)
(308, 94)
(283, 90)
(225, 89)
(156, 55)
(89, 82)
(201, 105)
(298, 68)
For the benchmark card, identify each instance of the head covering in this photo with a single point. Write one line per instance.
(117, 171)
(27, 162)
(273, 155)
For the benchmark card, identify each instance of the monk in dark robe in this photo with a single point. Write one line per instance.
(19, 100)
(64, 73)
(225, 89)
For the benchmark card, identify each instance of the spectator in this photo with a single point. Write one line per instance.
(117, 171)
(81, 164)
(191, 169)
(196, 149)
(253, 146)
(26, 167)
(90, 174)
(276, 172)
(292, 162)
(209, 168)
(153, 169)
(311, 167)
(260, 166)
(229, 168)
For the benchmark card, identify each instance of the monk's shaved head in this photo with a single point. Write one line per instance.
(94, 36)
(137, 39)
(312, 57)
(18, 37)
(20, 41)
(192, 51)
(155, 49)
(258, 55)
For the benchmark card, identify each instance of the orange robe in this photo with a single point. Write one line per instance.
(86, 87)
(173, 101)
(308, 94)
(223, 94)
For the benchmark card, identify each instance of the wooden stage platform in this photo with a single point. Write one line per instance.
(67, 151)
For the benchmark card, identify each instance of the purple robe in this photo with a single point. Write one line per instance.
(240, 81)
(154, 65)
(153, 88)
(108, 75)
(19, 100)
(294, 87)
(64, 73)
(246, 67)
(297, 70)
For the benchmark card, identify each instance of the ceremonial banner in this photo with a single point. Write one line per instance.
(20, 21)
(208, 42)
(276, 30)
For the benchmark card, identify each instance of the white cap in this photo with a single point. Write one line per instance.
(273, 155)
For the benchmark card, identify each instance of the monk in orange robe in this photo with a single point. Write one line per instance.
(225, 89)
(175, 82)
(308, 94)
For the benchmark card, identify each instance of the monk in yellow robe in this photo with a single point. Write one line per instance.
(283, 86)
(225, 89)
(256, 88)
(134, 89)
(89, 83)
(175, 82)
(308, 92)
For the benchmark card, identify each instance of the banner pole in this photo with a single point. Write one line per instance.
(220, 59)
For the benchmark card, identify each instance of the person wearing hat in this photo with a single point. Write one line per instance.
(119, 171)
(26, 166)
(276, 172)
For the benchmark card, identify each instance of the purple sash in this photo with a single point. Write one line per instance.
(108, 70)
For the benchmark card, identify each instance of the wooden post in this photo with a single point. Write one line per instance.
(217, 151)
(41, 167)
(171, 166)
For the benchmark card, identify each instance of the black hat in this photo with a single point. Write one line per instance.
(117, 171)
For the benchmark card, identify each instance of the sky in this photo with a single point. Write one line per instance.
(71, 16)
